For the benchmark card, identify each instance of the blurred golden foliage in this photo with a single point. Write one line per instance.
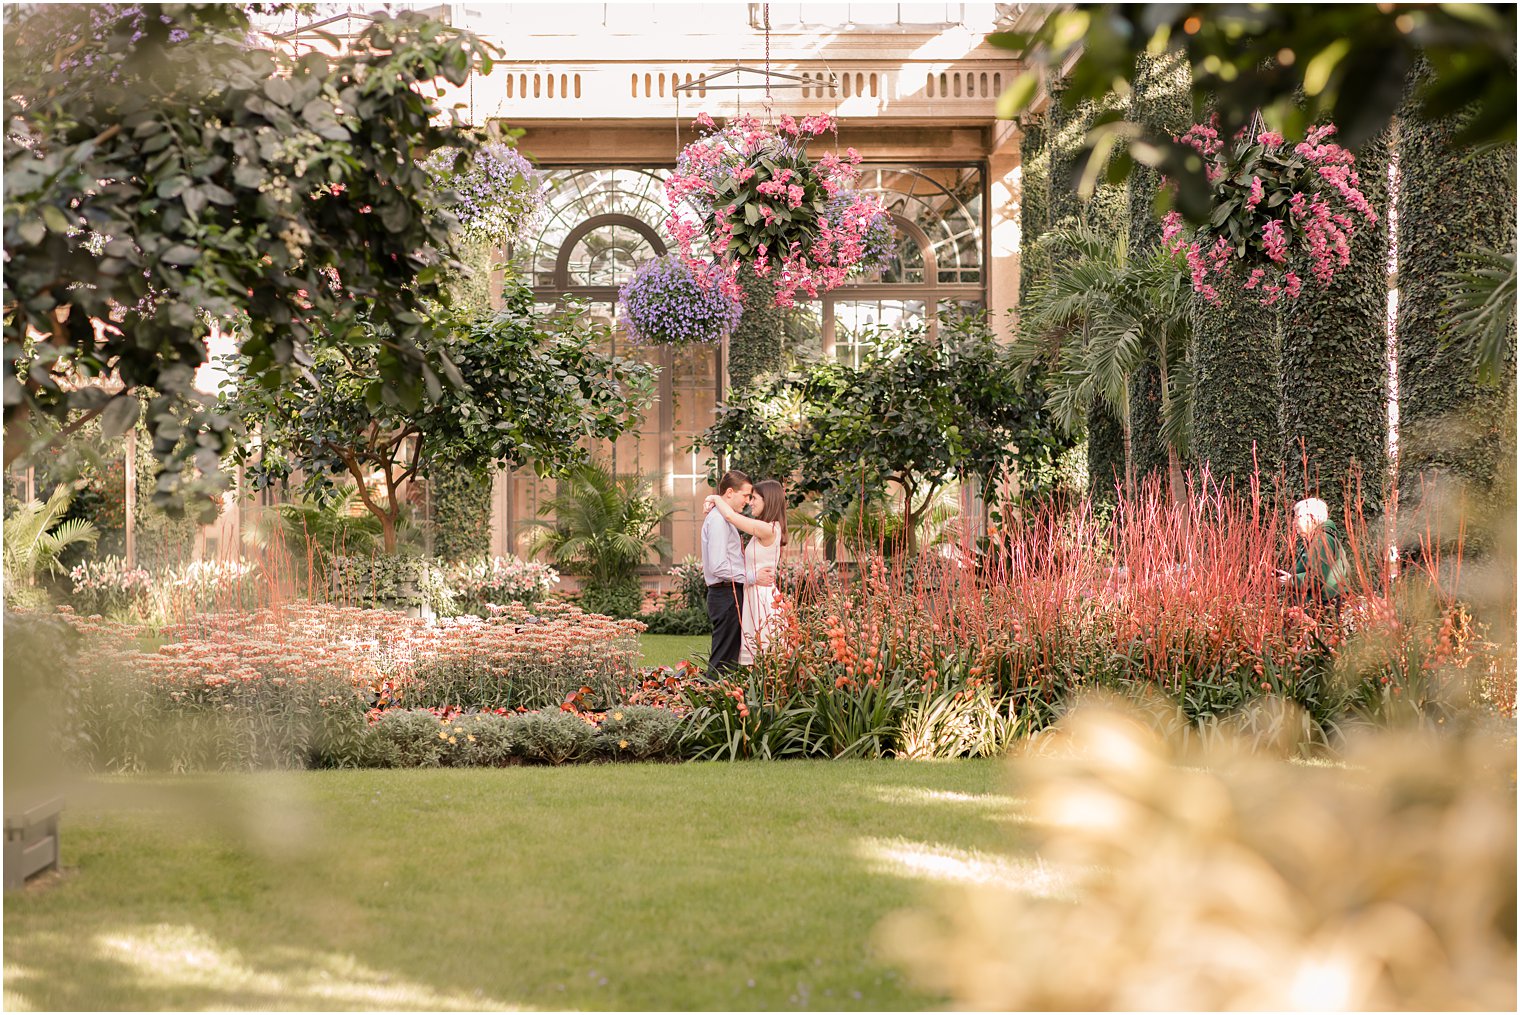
(1229, 879)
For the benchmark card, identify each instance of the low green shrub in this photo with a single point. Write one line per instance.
(399, 582)
(638, 731)
(550, 735)
(620, 601)
(682, 621)
(406, 738)
(479, 738)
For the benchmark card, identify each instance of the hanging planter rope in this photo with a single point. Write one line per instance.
(1279, 212)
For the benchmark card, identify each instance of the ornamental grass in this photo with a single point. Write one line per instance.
(958, 655)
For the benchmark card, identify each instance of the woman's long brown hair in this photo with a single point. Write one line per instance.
(774, 496)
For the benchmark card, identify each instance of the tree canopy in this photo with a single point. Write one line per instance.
(917, 413)
(163, 171)
(534, 390)
(1295, 64)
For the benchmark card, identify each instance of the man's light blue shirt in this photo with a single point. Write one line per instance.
(722, 553)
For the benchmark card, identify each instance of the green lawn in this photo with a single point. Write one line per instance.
(713, 886)
(673, 649)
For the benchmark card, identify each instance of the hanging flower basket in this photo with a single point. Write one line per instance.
(497, 191)
(754, 196)
(668, 303)
(1279, 211)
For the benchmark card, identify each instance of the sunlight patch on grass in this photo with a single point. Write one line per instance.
(947, 865)
(180, 956)
(925, 795)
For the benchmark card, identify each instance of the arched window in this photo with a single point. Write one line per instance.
(601, 223)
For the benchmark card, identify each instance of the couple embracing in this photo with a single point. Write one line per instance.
(740, 572)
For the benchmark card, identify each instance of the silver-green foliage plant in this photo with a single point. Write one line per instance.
(638, 731)
(551, 735)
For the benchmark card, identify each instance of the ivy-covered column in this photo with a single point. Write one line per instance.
(1160, 101)
(1334, 363)
(1451, 200)
(1235, 381)
(461, 513)
(757, 345)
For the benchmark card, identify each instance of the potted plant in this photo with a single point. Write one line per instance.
(752, 195)
(667, 303)
(1279, 210)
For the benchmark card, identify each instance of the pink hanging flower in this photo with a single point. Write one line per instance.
(1314, 228)
(768, 171)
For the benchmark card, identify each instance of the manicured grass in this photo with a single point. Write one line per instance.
(708, 886)
(674, 649)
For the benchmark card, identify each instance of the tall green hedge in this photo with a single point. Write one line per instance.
(461, 513)
(1161, 100)
(1108, 211)
(1335, 365)
(1450, 200)
(1235, 387)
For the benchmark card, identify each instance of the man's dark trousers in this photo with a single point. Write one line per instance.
(725, 608)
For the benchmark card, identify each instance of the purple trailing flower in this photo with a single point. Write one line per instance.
(665, 303)
(497, 192)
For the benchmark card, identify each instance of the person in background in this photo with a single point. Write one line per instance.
(723, 570)
(1321, 567)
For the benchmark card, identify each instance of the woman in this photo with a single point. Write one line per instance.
(766, 525)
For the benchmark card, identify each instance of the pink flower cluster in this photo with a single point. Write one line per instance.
(1307, 227)
(750, 194)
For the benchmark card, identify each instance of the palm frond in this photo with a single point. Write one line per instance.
(1481, 298)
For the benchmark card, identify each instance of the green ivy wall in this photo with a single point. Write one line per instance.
(1450, 201)
(1334, 364)
(1235, 387)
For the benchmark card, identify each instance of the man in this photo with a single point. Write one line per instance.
(723, 570)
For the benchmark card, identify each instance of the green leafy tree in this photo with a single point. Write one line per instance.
(532, 390)
(1296, 64)
(1162, 104)
(915, 415)
(604, 526)
(1482, 305)
(162, 172)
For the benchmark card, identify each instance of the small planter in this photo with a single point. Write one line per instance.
(31, 841)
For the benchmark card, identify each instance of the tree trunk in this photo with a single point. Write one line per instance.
(910, 522)
(1173, 459)
(388, 532)
(1129, 460)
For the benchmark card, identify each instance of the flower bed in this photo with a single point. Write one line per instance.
(294, 686)
(1179, 608)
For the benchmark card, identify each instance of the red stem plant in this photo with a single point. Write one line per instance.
(1183, 600)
